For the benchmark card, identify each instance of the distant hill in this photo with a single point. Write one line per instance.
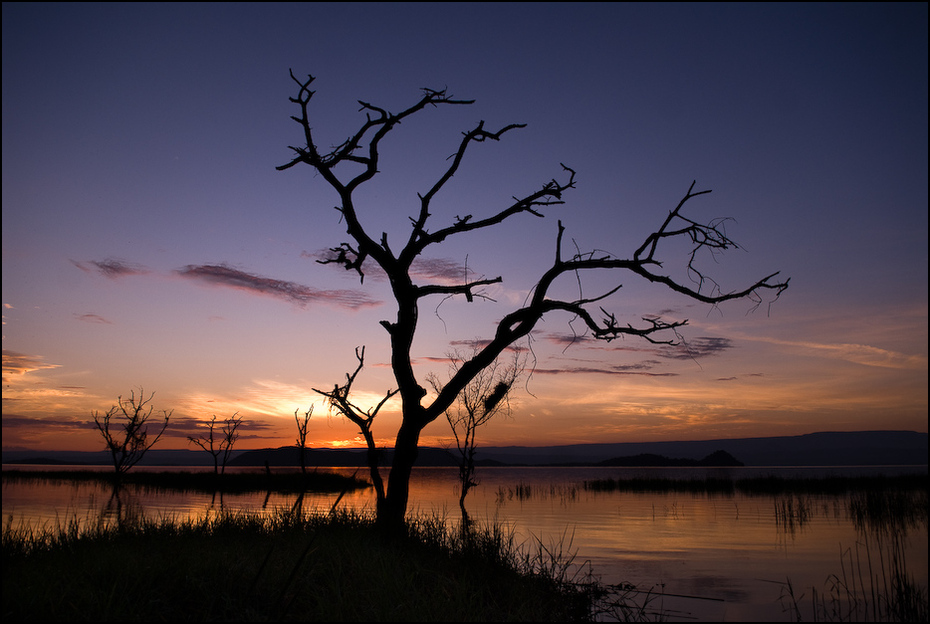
(857, 448)
(861, 448)
(717, 458)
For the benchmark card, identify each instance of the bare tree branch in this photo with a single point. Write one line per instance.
(302, 427)
(549, 195)
(127, 447)
(219, 447)
(338, 399)
(361, 149)
(477, 135)
(519, 323)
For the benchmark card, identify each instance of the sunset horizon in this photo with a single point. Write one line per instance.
(360, 446)
(441, 311)
(151, 246)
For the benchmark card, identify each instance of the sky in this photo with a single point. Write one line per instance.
(150, 244)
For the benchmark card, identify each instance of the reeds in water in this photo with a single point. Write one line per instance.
(872, 585)
(761, 486)
(792, 512)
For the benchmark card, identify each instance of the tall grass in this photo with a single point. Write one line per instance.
(873, 583)
(288, 567)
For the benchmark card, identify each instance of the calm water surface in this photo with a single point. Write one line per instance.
(713, 557)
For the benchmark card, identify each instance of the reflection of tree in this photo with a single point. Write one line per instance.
(217, 492)
(118, 512)
(297, 509)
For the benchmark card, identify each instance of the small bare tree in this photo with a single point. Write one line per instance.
(485, 396)
(302, 425)
(338, 399)
(129, 440)
(219, 443)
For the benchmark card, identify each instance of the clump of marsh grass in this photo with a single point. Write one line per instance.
(523, 491)
(889, 509)
(763, 486)
(792, 512)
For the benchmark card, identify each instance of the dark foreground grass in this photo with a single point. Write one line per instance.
(282, 568)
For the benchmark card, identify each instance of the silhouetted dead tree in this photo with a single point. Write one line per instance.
(302, 426)
(125, 432)
(338, 399)
(485, 396)
(362, 151)
(219, 443)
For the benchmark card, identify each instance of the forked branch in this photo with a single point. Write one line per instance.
(338, 399)
(378, 122)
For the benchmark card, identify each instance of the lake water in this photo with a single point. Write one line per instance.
(708, 557)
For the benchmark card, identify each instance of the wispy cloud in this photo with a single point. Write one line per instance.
(111, 267)
(692, 348)
(442, 270)
(92, 318)
(184, 427)
(865, 355)
(641, 368)
(23, 431)
(15, 363)
(481, 343)
(432, 270)
(299, 294)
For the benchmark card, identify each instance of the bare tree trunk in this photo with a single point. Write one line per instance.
(391, 515)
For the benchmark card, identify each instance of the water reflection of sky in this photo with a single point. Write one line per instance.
(730, 552)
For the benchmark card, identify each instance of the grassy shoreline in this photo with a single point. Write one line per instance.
(286, 567)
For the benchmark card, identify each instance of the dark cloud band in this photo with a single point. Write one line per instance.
(299, 294)
(110, 267)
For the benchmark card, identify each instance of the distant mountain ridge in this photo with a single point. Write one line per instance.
(855, 448)
(715, 459)
(860, 448)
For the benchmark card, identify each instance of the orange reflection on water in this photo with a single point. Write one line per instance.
(714, 557)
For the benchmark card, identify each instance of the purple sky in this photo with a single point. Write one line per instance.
(149, 241)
